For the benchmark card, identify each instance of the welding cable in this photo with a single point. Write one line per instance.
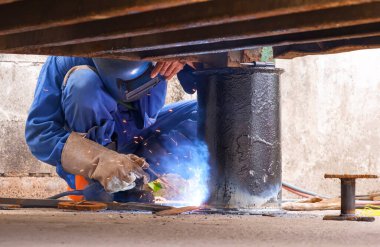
(296, 192)
(295, 188)
(67, 193)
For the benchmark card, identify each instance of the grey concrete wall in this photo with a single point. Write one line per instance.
(18, 75)
(20, 173)
(331, 119)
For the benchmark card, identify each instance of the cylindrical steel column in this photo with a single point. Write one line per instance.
(239, 119)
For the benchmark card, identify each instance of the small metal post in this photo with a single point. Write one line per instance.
(347, 197)
(347, 211)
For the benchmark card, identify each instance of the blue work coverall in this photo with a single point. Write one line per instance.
(84, 105)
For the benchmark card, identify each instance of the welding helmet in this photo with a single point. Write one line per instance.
(126, 81)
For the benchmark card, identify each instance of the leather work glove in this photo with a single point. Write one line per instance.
(116, 172)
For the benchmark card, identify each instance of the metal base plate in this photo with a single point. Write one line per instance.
(349, 218)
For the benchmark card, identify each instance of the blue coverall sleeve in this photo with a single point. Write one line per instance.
(187, 79)
(45, 132)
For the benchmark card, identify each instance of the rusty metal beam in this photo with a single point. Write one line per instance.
(278, 30)
(351, 32)
(8, 1)
(327, 47)
(358, 31)
(31, 15)
(182, 17)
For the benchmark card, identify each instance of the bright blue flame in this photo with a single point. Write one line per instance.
(191, 164)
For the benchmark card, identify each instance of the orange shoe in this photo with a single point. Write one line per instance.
(80, 184)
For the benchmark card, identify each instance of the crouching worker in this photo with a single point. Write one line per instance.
(90, 117)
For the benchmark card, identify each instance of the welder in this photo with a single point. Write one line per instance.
(90, 117)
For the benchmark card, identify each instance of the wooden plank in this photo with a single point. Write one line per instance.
(241, 35)
(312, 204)
(38, 14)
(182, 17)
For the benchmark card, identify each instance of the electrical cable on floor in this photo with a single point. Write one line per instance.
(296, 192)
(305, 193)
(67, 193)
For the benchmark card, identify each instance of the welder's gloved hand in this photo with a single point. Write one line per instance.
(116, 172)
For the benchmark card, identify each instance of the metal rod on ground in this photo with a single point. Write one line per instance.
(53, 203)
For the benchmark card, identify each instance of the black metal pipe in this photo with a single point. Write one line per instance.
(347, 196)
(239, 119)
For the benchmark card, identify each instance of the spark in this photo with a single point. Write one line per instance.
(174, 141)
(136, 142)
(170, 110)
(150, 151)
(124, 131)
(124, 121)
(157, 130)
(145, 143)
(45, 90)
(194, 90)
(135, 137)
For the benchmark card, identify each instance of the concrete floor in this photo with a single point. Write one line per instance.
(35, 227)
